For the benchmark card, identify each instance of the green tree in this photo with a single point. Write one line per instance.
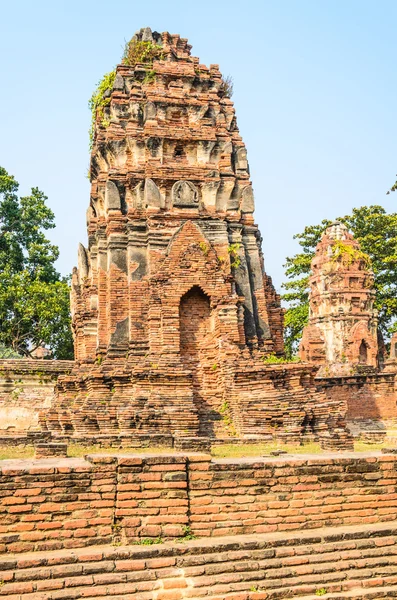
(34, 298)
(376, 231)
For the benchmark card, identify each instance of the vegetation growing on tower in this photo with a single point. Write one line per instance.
(347, 254)
(138, 52)
(100, 98)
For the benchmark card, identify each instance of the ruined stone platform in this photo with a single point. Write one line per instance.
(348, 562)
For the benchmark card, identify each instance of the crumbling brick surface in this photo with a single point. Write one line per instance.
(349, 562)
(358, 561)
(26, 388)
(367, 397)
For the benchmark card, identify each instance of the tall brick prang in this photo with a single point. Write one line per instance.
(342, 336)
(342, 333)
(173, 313)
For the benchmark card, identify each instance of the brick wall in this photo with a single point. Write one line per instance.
(47, 505)
(365, 396)
(262, 495)
(68, 503)
(26, 388)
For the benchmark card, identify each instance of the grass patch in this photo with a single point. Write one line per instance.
(224, 451)
(243, 450)
(7, 452)
(250, 450)
(149, 541)
(368, 447)
(77, 451)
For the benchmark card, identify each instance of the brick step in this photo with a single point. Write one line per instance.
(280, 589)
(278, 565)
(112, 583)
(296, 562)
(370, 594)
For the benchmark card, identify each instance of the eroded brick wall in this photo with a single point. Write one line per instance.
(26, 388)
(365, 396)
(70, 503)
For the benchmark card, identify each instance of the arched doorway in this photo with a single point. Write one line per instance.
(198, 355)
(194, 314)
(363, 353)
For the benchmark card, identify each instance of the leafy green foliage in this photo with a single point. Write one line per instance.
(187, 534)
(149, 541)
(8, 352)
(347, 254)
(150, 76)
(376, 232)
(100, 98)
(233, 250)
(34, 299)
(273, 359)
(226, 414)
(136, 52)
(204, 248)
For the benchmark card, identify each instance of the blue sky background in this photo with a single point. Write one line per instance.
(315, 94)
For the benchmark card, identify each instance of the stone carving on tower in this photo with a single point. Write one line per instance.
(342, 333)
(173, 313)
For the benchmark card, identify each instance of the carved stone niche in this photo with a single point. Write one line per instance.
(83, 263)
(184, 194)
(152, 196)
(241, 159)
(247, 200)
(112, 197)
(149, 111)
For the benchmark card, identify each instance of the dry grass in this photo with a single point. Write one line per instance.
(368, 447)
(16, 452)
(76, 451)
(246, 450)
(224, 451)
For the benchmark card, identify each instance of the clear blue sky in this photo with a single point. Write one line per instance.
(315, 94)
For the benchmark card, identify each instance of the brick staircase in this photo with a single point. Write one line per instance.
(337, 563)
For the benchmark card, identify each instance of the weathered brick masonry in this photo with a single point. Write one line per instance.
(342, 335)
(371, 397)
(70, 503)
(26, 388)
(347, 563)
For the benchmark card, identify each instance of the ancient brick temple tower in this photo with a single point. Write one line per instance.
(342, 330)
(173, 314)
